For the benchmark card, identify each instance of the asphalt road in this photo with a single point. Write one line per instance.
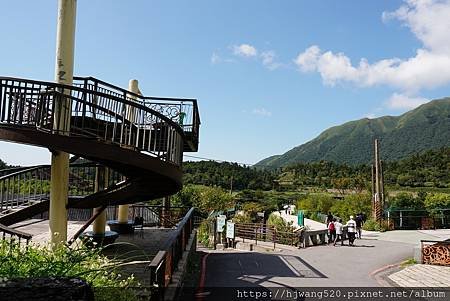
(319, 266)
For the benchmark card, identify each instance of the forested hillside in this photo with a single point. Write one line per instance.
(427, 169)
(424, 128)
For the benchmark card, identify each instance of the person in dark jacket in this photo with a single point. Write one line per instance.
(329, 218)
(359, 223)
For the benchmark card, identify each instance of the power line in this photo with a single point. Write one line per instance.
(217, 160)
(239, 163)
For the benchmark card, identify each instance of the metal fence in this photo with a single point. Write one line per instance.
(265, 233)
(419, 219)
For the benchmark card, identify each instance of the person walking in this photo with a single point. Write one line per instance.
(329, 218)
(331, 231)
(351, 230)
(338, 228)
(359, 223)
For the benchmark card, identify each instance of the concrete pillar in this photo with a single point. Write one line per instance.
(166, 212)
(133, 86)
(101, 182)
(65, 44)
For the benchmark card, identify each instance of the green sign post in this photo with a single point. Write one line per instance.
(300, 218)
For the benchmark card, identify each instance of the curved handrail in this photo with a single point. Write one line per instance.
(102, 123)
(183, 111)
(115, 120)
(75, 88)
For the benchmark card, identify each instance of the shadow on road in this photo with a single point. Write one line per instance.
(230, 275)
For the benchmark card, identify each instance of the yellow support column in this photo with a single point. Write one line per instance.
(134, 88)
(65, 42)
(101, 182)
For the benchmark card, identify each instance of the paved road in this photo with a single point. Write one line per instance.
(319, 266)
(314, 266)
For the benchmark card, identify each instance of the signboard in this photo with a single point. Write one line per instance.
(221, 223)
(300, 218)
(230, 230)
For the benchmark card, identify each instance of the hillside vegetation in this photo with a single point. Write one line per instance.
(426, 169)
(424, 128)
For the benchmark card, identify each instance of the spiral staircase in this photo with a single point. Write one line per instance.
(140, 139)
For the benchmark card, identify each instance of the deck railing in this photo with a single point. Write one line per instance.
(92, 113)
(166, 261)
(13, 235)
(182, 111)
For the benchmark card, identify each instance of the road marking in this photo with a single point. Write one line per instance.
(200, 294)
(293, 270)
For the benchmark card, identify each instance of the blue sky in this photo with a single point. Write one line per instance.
(268, 75)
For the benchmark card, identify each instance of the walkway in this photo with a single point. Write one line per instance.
(365, 265)
(311, 224)
(422, 275)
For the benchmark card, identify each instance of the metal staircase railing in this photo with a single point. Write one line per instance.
(182, 111)
(106, 117)
(94, 114)
(32, 185)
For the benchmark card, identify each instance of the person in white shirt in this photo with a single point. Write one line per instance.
(338, 228)
(351, 230)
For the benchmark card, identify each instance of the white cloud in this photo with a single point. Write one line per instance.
(268, 60)
(215, 58)
(245, 50)
(429, 21)
(307, 60)
(262, 112)
(402, 101)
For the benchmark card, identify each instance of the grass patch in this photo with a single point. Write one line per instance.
(408, 262)
(90, 265)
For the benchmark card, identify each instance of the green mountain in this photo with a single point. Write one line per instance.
(426, 127)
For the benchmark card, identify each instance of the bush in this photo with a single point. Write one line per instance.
(203, 232)
(371, 225)
(71, 262)
(279, 223)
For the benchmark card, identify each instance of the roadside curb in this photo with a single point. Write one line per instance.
(381, 274)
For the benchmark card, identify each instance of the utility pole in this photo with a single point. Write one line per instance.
(231, 185)
(377, 181)
(59, 183)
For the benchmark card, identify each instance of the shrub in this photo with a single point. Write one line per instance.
(64, 261)
(279, 223)
(382, 226)
(203, 232)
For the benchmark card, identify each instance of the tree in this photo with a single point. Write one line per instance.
(3, 164)
(351, 205)
(435, 201)
(317, 203)
(341, 184)
(405, 200)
